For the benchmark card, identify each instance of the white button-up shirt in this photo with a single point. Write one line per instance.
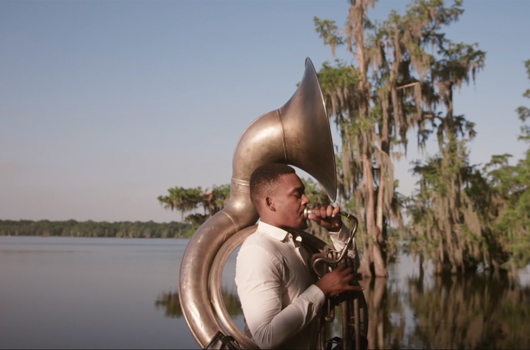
(278, 297)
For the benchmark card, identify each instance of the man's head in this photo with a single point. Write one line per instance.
(278, 195)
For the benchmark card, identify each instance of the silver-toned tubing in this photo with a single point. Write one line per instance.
(197, 261)
(215, 287)
(298, 134)
(357, 323)
(345, 325)
(349, 243)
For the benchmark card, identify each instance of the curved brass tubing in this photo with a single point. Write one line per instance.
(298, 134)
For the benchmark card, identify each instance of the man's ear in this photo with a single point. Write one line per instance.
(269, 201)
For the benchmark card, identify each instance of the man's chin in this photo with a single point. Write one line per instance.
(303, 225)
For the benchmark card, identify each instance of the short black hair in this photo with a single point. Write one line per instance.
(264, 179)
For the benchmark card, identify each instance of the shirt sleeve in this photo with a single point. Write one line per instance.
(259, 278)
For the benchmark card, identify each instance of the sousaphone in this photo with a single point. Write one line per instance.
(298, 134)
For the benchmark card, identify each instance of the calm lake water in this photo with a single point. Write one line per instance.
(121, 293)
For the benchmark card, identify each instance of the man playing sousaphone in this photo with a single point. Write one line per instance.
(280, 297)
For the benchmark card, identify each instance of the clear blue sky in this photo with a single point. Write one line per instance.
(104, 105)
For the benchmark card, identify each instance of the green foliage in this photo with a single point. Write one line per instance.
(220, 196)
(509, 186)
(445, 225)
(189, 199)
(182, 199)
(336, 77)
(524, 112)
(458, 62)
(328, 31)
(195, 219)
(462, 216)
(317, 196)
(396, 86)
(72, 228)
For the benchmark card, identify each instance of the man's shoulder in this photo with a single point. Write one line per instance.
(257, 239)
(258, 251)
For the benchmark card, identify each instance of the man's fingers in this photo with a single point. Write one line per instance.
(356, 288)
(351, 288)
(322, 212)
(347, 288)
(329, 210)
(344, 270)
(357, 276)
(325, 211)
(340, 268)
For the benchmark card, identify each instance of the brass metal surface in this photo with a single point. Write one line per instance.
(298, 134)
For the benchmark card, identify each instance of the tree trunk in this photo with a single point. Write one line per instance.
(496, 269)
(421, 267)
(380, 198)
(438, 269)
(382, 188)
(364, 267)
(371, 228)
(356, 11)
(376, 324)
(514, 275)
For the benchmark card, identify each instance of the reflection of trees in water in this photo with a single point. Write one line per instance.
(232, 303)
(383, 305)
(469, 312)
(383, 302)
(171, 305)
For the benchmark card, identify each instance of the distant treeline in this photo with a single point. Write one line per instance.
(72, 228)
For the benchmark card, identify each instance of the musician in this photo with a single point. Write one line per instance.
(280, 297)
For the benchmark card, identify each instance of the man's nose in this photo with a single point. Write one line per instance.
(305, 200)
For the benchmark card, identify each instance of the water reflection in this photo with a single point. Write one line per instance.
(476, 311)
(386, 321)
(448, 312)
(169, 302)
(472, 311)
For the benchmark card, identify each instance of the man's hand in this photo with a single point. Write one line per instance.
(327, 217)
(337, 281)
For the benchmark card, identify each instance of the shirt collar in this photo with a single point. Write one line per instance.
(277, 233)
(273, 231)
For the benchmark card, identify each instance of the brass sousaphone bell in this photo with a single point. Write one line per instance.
(298, 134)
